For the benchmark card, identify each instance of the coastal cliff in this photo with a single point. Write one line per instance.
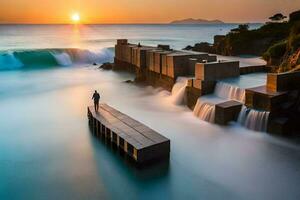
(285, 54)
(277, 42)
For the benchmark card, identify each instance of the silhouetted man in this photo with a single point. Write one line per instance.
(96, 97)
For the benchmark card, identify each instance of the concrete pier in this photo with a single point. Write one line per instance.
(157, 65)
(137, 140)
(160, 66)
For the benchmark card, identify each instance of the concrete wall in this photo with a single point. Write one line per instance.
(192, 96)
(206, 87)
(227, 111)
(157, 62)
(164, 47)
(150, 60)
(283, 81)
(262, 99)
(158, 59)
(159, 80)
(253, 69)
(217, 70)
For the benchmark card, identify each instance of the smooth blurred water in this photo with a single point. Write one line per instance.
(47, 150)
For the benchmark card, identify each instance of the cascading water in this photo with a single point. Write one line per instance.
(178, 91)
(205, 107)
(205, 111)
(254, 119)
(228, 91)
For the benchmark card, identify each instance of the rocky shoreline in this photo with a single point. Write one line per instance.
(277, 42)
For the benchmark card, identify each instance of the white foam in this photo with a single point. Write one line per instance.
(205, 111)
(179, 91)
(228, 91)
(63, 58)
(9, 61)
(254, 119)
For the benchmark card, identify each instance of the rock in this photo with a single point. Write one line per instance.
(201, 47)
(189, 47)
(107, 66)
(128, 81)
(95, 64)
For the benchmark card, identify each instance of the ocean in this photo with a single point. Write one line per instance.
(47, 150)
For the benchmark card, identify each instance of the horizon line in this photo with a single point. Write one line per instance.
(167, 23)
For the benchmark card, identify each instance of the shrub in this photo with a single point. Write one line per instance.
(276, 51)
(295, 16)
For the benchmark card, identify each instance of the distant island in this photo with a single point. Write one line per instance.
(196, 21)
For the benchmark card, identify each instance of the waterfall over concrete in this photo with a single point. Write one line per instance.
(254, 119)
(178, 91)
(228, 91)
(205, 106)
(205, 111)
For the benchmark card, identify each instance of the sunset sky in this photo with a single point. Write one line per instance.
(141, 11)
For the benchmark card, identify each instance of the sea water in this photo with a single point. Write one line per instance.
(47, 150)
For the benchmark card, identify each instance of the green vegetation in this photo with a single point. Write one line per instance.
(285, 55)
(278, 42)
(254, 42)
(276, 51)
(277, 17)
(241, 28)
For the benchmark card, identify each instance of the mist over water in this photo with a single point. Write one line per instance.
(47, 150)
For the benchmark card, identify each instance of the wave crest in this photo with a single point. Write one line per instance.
(10, 60)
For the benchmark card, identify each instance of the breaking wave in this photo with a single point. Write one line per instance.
(10, 60)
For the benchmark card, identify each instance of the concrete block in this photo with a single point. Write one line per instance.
(227, 111)
(137, 140)
(217, 70)
(253, 69)
(150, 60)
(141, 57)
(163, 47)
(263, 99)
(192, 96)
(170, 66)
(206, 87)
(192, 64)
(283, 81)
(211, 58)
(157, 62)
(122, 41)
(164, 69)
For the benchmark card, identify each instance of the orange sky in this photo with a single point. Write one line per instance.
(141, 11)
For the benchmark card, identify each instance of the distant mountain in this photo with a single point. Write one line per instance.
(196, 21)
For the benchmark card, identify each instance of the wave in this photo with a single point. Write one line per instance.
(10, 60)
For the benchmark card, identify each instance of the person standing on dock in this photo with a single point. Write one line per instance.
(96, 97)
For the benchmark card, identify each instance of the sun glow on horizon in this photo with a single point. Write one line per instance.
(75, 17)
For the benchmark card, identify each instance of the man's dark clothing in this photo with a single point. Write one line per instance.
(96, 97)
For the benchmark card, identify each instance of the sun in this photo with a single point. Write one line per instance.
(75, 17)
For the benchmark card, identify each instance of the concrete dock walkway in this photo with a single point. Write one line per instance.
(139, 141)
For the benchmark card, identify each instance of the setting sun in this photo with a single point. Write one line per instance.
(75, 17)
